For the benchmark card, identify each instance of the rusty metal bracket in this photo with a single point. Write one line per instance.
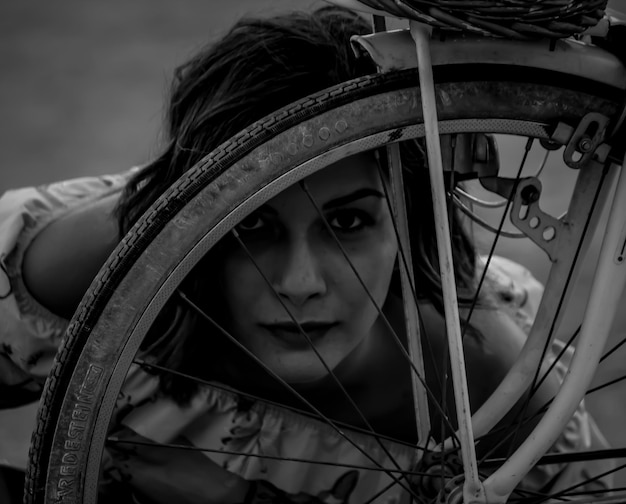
(528, 217)
(548, 232)
(584, 142)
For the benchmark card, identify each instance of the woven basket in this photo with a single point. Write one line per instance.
(518, 19)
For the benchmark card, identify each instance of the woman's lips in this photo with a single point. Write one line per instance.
(291, 335)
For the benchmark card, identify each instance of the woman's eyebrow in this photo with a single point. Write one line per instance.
(353, 196)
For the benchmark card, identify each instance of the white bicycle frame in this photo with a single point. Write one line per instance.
(413, 49)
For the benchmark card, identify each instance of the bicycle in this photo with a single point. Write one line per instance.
(576, 98)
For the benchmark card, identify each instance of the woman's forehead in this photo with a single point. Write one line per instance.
(349, 174)
(355, 175)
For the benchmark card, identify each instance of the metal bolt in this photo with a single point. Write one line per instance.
(529, 194)
(550, 144)
(585, 144)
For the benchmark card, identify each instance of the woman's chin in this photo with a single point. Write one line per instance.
(299, 373)
(302, 378)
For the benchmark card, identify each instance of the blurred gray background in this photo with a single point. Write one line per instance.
(81, 89)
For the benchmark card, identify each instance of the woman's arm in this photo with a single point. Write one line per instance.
(66, 255)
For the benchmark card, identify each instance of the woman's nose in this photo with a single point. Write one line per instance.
(301, 277)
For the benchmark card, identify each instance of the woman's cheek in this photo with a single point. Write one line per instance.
(376, 270)
(240, 287)
(386, 257)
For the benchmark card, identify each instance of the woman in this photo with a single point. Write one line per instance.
(259, 66)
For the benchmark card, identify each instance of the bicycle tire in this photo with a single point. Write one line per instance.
(385, 104)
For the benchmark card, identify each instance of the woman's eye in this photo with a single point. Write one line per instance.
(252, 222)
(347, 221)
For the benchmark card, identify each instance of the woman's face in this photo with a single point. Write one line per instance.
(307, 276)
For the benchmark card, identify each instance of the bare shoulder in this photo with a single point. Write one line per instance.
(65, 256)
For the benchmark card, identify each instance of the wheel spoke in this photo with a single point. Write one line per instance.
(594, 492)
(565, 492)
(411, 310)
(113, 440)
(615, 347)
(446, 359)
(606, 384)
(568, 344)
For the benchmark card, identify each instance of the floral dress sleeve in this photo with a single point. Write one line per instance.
(29, 333)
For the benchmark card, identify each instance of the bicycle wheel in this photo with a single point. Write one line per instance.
(144, 274)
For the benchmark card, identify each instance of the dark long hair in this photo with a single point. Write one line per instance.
(260, 65)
